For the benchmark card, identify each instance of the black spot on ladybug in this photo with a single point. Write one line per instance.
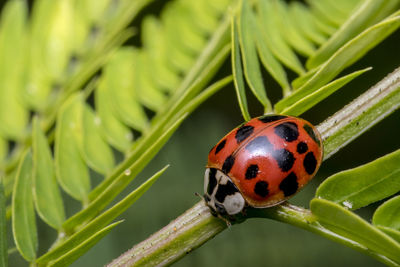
(287, 131)
(212, 180)
(260, 145)
(271, 118)
(251, 172)
(289, 185)
(220, 146)
(261, 188)
(225, 190)
(243, 132)
(284, 158)
(302, 148)
(310, 163)
(228, 163)
(311, 133)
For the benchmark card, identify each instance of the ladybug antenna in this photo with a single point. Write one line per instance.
(200, 196)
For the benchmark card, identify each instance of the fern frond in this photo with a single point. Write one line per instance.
(69, 41)
(286, 30)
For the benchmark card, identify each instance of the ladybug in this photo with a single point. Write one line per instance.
(261, 163)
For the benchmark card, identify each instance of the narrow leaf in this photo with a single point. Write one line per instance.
(23, 213)
(200, 98)
(270, 62)
(74, 254)
(387, 214)
(238, 73)
(147, 91)
(3, 149)
(71, 170)
(390, 232)
(116, 133)
(13, 115)
(361, 186)
(111, 190)
(299, 81)
(290, 30)
(268, 20)
(302, 16)
(328, 10)
(364, 15)
(347, 224)
(345, 56)
(46, 193)
(96, 151)
(321, 24)
(153, 42)
(249, 54)
(314, 98)
(124, 96)
(99, 222)
(3, 227)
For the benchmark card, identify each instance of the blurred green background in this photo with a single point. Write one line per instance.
(257, 242)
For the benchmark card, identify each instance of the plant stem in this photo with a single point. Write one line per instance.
(197, 225)
(180, 237)
(361, 114)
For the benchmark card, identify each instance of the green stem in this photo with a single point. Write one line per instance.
(197, 225)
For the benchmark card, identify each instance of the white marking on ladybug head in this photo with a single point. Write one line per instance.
(221, 194)
(234, 203)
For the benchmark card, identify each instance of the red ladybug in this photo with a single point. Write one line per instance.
(261, 163)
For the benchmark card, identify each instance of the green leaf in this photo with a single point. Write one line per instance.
(345, 56)
(270, 62)
(9, 180)
(269, 23)
(167, 117)
(326, 9)
(83, 247)
(321, 24)
(302, 16)
(122, 81)
(3, 149)
(46, 193)
(116, 133)
(238, 73)
(200, 98)
(317, 96)
(347, 224)
(361, 186)
(299, 81)
(96, 151)
(251, 66)
(290, 30)
(3, 227)
(23, 213)
(390, 232)
(100, 221)
(364, 15)
(39, 80)
(153, 43)
(71, 170)
(111, 189)
(387, 214)
(13, 115)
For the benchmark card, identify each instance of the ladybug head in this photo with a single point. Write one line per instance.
(221, 194)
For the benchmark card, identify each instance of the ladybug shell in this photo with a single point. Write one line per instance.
(269, 158)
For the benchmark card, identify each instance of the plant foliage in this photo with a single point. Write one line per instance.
(69, 43)
(331, 39)
(95, 101)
